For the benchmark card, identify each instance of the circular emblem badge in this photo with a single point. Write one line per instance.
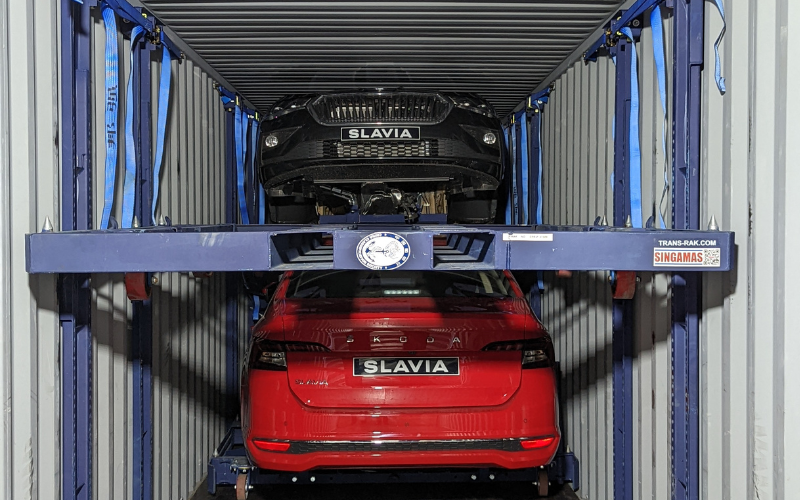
(383, 251)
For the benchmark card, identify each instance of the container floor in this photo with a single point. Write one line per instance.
(498, 491)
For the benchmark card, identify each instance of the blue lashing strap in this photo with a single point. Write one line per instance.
(238, 149)
(523, 121)
(163, 109)
(717, 65)
(514, 184)
(635, 175)
(511, 173)
(129, 189)
(657, 29)
(261, 195)
(112, 112)
(259, 189)
(539, 184)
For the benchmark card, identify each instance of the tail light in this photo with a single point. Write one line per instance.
(534, 444)
(266, 445)
(536, 353)
(268, 355)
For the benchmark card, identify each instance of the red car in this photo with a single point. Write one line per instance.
(396, 369)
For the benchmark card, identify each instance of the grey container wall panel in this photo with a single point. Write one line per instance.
(750, 344)
(748, 338)
(189, 317)
(188, 366)
(29, 342)
(578, 162)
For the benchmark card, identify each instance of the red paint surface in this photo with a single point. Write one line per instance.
(319, 399)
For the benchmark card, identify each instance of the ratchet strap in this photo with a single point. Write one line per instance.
(717, 66)
(525, 165)
(511, 169)
(259, 189)
(112, 111)
(656, 27)
(238, 148)
(635, 161)
(129, 187)
(163, 109)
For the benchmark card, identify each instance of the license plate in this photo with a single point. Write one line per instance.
(380, 133)
(376, 367)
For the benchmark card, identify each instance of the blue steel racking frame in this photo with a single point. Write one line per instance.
(77, 251)
(74, 290)
(688, 40)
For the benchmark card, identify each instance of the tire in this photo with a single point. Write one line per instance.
(543, 483)
(292, 210)
(482, 209)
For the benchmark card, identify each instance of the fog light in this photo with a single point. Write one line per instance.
(271, 141)
(489, 138)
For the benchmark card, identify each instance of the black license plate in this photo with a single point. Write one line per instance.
(377, 367)
(380, 133)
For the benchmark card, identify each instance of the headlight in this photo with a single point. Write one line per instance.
(288, 106)
(475, 105)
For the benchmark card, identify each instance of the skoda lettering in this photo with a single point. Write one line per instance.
(374, 367)
(380, 133)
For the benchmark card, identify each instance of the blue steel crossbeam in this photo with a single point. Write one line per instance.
(330, 246)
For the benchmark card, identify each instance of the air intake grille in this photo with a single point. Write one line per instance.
(388, 149)
(401, 107)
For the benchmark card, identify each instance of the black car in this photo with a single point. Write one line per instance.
(380, 152)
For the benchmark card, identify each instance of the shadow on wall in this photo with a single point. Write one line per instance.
(188, 333)
(584, 299)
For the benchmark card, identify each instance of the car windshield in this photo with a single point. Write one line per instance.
(360, 284)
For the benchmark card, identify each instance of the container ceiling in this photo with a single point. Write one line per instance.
(500, 50)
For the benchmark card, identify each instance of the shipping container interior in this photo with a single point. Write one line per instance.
(128, 170)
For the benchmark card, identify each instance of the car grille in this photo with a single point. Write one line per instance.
(381, 149)
(302, 447)
(402, 107)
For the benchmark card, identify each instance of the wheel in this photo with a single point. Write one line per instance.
(137, 286)
(480, 209)
(543, 483)
(292, 210)
(242, 487)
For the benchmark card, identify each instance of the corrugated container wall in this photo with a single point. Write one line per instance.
(189, 317)
(748, 343)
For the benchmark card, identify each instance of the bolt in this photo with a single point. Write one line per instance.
(474, 477)
(491, 477)
(635, 23)
(250, 487)
(313, 479)
(294, 479)
(154, 280)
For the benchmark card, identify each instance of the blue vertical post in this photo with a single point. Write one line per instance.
(519, 217)
(142, 321)
(74, 290)
(622, 310)
(534, 146)
(686, 301)
(232, 280)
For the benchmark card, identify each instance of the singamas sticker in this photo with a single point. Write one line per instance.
(686, 257)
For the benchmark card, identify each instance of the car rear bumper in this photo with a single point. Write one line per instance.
(391, 437)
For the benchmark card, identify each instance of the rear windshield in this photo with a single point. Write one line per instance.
(356, 284)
